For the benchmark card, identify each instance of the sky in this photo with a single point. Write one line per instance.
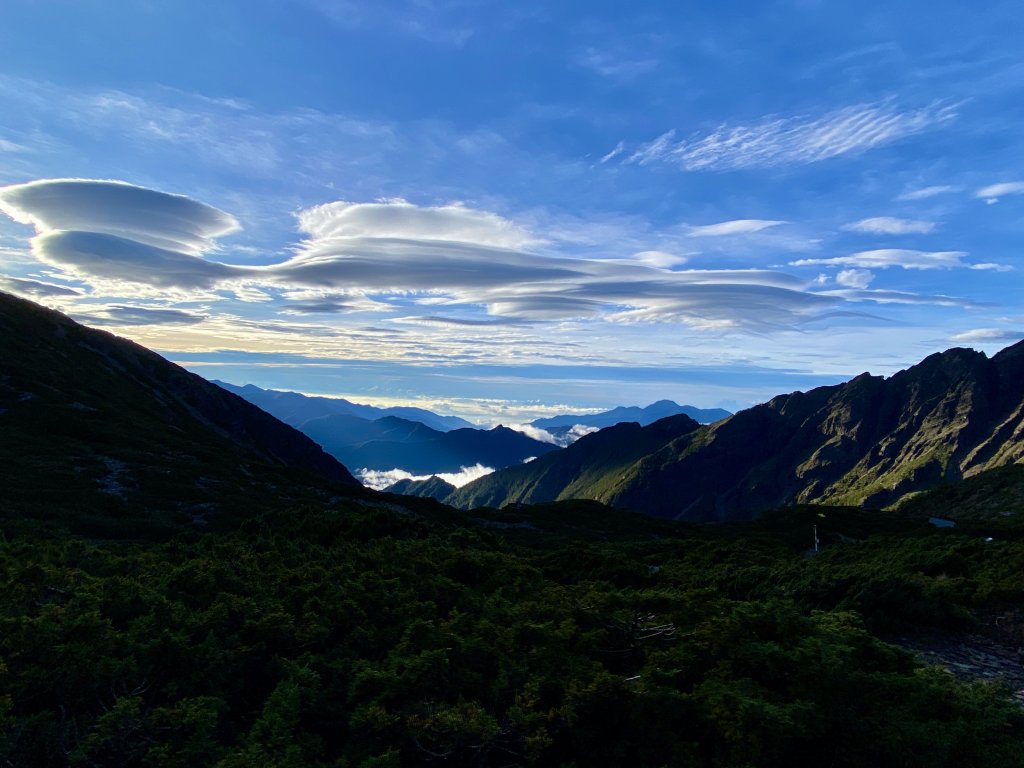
(508, 210)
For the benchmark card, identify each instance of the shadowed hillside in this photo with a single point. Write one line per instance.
(91, 419)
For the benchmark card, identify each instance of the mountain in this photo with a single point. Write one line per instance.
(87, 416)
(642, 416)
(871, 441)
(393, 443)
(296, 409)
(433, 487)
(582, 470)
(341, 432)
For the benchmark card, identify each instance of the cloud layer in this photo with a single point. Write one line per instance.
(435, 256)
(792, 140)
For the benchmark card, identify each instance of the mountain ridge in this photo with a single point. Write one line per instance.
(642, 415)
(870, 441)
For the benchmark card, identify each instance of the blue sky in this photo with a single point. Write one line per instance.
(503, 210)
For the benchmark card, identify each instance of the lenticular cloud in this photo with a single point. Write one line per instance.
(110, 231)
(115, 208)
(117, 231)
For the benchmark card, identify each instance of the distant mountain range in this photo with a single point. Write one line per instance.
(641, 416)
(296, 409)
(86, 415)
(871, 441)
(421, 442)
(394, 443)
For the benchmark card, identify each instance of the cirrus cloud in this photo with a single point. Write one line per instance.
(888, 225)
(797, 140)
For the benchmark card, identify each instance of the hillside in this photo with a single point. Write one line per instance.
(582, 470)
(89, 419)
(433, 487)
(871, 441)
(421, 451)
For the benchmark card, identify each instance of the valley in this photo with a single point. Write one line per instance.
(189, 581)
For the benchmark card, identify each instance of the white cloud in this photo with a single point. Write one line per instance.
(659, 259)
(391, 255)
(989, 266)
(855, 278)
(888, 225)
(580, 430)
(987, 336)
(536, 433)
(993, 192)
(617, 150)
(115, 208)
(734, 227)
(893, 257)
(380, 479)
(900, 297)
(399, 219)
(793, 140)
(925, 192)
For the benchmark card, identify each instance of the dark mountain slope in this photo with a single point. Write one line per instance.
(441, 452)
(433, 487)
(581, 470)
(340, 433)
(83, 412)
(871, 441)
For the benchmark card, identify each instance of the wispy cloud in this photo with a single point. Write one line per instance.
(734, 227)
(993, 192)
(38, 288)
(120, 315)
(988, 336)
(925, 192)
(613, 66)
(436, 23)
(888, 225)
(893, 257)
(617, 150)
(880, 296)
(793, 140)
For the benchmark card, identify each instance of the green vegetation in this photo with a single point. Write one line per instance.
(369, 633)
